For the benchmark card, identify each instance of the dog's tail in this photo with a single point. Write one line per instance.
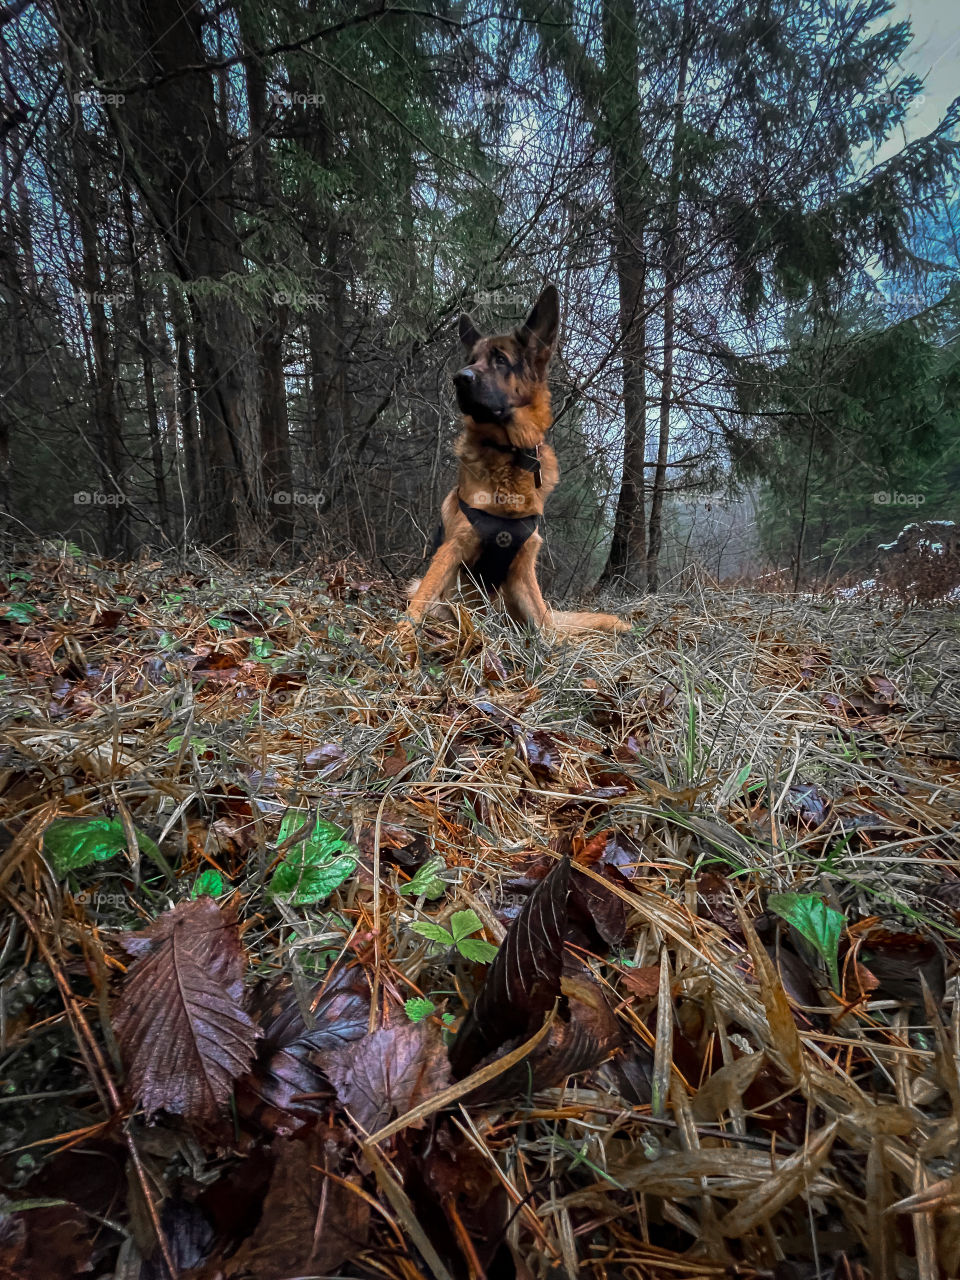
(573, 624)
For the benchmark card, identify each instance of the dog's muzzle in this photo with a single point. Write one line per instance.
(479, 401)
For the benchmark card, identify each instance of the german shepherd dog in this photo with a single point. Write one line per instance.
(490, 520)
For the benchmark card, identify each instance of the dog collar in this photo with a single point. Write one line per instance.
(525, 459)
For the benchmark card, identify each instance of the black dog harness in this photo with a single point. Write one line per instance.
(501, 537)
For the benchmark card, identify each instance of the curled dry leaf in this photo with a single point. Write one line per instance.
(523, 981)
(599, 906)
(180, 1023)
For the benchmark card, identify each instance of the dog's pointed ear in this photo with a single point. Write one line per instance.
(469, 335)
(538, 333)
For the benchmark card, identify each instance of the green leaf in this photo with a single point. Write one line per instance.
(419, 1007)
(261, 648)
(435, 932)
(463, 923)
(477, 950)
(208, 882)
(819, 924)
(302, 881)
(326, 838)
(72, 843)
(316, 865)
(426, 882)
(22, 613)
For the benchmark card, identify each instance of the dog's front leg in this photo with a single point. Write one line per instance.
(438, 579)
(521, 591)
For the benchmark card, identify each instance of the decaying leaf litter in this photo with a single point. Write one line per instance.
(609, 958)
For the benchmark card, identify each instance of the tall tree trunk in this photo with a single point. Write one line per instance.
(326, 318)
(328, 373)
(671, 274)
(193, 468)
(13, 231)
(149, 382)
(180, 160)
(96, 287)
(274, 423)
(627, 556)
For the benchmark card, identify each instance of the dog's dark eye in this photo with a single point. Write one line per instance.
(500, 360)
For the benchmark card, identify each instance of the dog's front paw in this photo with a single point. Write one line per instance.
(407, 638)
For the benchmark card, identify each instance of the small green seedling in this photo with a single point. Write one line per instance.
(462, 924)
(425, 882)
(819, 924)
(419, 1007)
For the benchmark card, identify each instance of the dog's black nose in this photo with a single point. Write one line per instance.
(465, 379)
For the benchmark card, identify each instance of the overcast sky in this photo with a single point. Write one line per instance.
(934, 56)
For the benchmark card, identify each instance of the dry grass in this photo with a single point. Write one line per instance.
(735, 745)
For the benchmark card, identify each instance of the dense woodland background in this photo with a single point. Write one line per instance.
(236, 238)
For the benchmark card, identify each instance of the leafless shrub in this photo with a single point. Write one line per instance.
(923, 563)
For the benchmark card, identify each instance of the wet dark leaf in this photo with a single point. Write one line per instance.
(390, 1070)
(189, 1238)
(180, 1023)
(808, 803)
(328, 761)
(310, 1224)
(594, 795)
(605, 910)
(901, 962)
(524, 980)
(625, 853)
(45, 1241)
(540, 749)
(290, 1056)
(397, 843)
(446, 1177)
(715, 896)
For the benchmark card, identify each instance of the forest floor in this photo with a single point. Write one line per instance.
(257, 1020)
